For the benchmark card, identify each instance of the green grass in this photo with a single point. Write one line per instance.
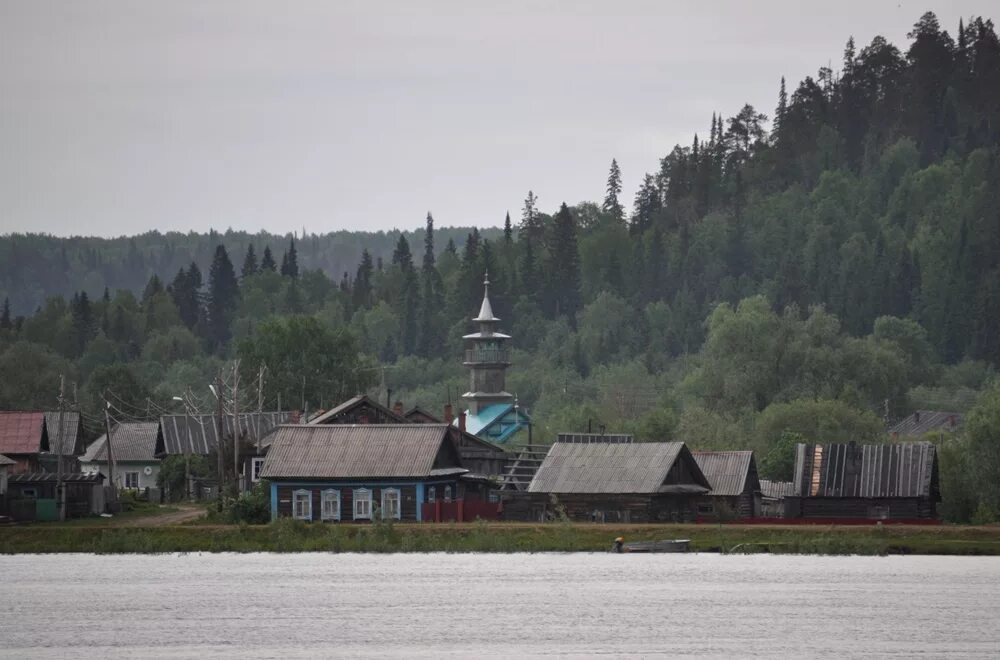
(295, 536)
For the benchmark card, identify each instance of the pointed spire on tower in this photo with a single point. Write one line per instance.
(486, 310)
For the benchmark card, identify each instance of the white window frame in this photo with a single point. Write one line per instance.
(432, 493)
(256, 464)
(447, 493)
(326, 497)
(125, 479)
(296, 495)
(362, 495)
(397, 514)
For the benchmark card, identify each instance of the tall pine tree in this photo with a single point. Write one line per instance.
(290, 262)
(611, 204)
(223, 296)
(250, 267)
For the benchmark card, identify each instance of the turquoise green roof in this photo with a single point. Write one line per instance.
(497, 423)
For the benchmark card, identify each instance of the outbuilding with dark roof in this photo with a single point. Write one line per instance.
(605, 482)
(882, 482)
(735, 484)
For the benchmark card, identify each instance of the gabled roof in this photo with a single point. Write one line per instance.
(132, 441)
(69, 439)
(925, 421)
(22, 433)
(728, 471)
(199, 434)
(361, 400)
(907, 469)
(418, 415)
(354, 451)
(616, 468)
(7, 461)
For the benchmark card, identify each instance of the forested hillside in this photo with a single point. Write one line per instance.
(807, 272)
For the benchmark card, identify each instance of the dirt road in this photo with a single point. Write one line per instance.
(186, 513)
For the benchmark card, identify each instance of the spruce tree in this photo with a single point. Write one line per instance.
(83, 321)
(531, 228)
(5, 320)
(611, 204)
(564, 267)
(429, 334)
(361, 296)
(223, 295)
(153, 287)
(267, 262)
(508, 231)
(450, 247)
(250, 267)
(290, 262)
(781, 110)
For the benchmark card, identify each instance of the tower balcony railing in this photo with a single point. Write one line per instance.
(489, 355)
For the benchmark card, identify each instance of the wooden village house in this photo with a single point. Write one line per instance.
(32, 441)
(875, 482)
(772, 497)
(133, 449)
(606, 482)
(735, 485)
(358, 472)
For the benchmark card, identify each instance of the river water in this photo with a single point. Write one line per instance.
(441, 605)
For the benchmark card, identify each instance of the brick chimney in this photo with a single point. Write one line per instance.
(461, 420)
(398, 408)
(449, 416)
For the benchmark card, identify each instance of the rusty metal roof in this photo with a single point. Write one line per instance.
(907, 469)
(613, 468)
(341, 451)
(729, 472)
(776, 489)
(68, 440)
(22, 432)
(925, 421)
(133, 441)
(52, 477)
(199, 434)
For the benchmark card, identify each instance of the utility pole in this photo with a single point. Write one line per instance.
(60, 486)
(220, 428)
(108, 445)
(260, 406)
(236, 426)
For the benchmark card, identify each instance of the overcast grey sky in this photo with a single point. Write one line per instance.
(121, 117)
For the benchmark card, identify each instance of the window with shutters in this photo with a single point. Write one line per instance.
(362, 504)
(391, 503)
(302, 505)
(330, 504)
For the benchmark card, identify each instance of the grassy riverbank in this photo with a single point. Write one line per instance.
(293, 536)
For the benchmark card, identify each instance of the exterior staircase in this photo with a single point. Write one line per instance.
(522, 467)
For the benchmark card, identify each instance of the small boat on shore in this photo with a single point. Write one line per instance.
(673, 545)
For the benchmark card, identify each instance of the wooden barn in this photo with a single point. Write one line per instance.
(32, 495)
(772, 497)
(356, 472)
(606, 482)
(877, 482)
(735, 485)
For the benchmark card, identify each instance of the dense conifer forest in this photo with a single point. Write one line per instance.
(808, 272)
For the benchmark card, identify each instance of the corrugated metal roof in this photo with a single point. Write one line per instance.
(340, 451)
(199, 434)
(776, 489)
(727, 471)
(610, 468)
(7, 461)
(52, 477)
(21, 432)
(133, 441)
(907, 469)
(925, 421)
(67, 440)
